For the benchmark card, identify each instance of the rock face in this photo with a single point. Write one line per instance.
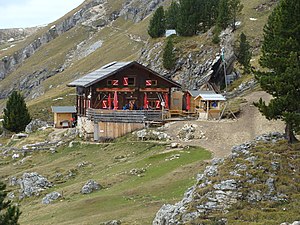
(90, 186)
(51, 197)
(217, 190)
(201, 64)
(31, 184)
(93, 15)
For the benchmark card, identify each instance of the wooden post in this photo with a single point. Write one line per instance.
(96, 131)
(207, 109)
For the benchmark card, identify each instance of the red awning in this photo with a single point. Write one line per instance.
(116, 100)
(109, 101)
(146, 102)
(166, 100)
(188, 101)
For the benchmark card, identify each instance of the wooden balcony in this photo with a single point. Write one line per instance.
(126, 116)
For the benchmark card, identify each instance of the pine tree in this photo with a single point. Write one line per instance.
(16, 115)
(223, 14)
(171, 15)
(188, 20)
(157, 23)
(244, 54)
(280, 54)
(9, 214)
(235, 8)
(168, 55)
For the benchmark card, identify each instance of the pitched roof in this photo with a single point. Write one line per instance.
(63, 109)
(210, 95)
(108, 70)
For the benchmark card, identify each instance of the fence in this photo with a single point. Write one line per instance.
(125, 116)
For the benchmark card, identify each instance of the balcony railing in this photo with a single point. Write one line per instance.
(126, 116)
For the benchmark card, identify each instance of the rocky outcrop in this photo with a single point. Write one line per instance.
(12, 35)
(200, 65)
(51, 197)
(31, 184)
(90, 186)
(34, 125)
(137, 10)
(217, 189)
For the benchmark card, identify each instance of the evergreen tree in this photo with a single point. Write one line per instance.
(168, 55)
(235, 8)
(16, 115)
(244, 54)
(223, 14)
(9, 214)
(172, 15)
(157, 23)
(280, 54)
(189, 18)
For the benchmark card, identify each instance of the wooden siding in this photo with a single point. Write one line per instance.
(111, 130)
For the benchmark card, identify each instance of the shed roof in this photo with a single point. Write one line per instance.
(108, 70)
(210, 95)
(63, 109)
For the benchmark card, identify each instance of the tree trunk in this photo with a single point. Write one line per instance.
(289, 134)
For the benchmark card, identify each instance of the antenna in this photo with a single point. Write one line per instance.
(224, 66)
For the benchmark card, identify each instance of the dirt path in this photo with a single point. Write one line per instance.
(221, 136)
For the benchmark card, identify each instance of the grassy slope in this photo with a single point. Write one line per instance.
(130, 198)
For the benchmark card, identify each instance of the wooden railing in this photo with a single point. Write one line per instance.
(125, 116)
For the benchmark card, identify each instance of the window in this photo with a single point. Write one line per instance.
(131, 81)
(153, 82)
(109, 82)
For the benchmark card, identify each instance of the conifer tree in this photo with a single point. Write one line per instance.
(172, 15)
(188, 20)
(223, 14)
(281, 55)
(9, 214)
(16, 115)
(157, 23)
(235, 8)
(168, 55)
(244, 54)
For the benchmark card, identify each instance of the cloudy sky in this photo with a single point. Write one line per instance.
(28, 13)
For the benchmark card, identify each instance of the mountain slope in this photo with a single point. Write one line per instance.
(98, 32)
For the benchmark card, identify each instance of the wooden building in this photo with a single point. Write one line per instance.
(64, 116)
(104, 95)
(210, 104)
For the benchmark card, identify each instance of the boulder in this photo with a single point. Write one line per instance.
(34, 125)
(90, 186)
(51, 197)
(32, 184)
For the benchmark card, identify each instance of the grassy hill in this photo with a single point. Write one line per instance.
(133, 199)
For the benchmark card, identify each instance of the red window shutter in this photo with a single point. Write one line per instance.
(125, 81)
(157, 104)
(104, 104)
(148, 82)
(115, 82)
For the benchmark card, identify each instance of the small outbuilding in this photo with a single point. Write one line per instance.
(210, 104)
(64, 116)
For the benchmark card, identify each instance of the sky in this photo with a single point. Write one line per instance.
(29, 13)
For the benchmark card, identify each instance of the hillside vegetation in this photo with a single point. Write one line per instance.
(138, 177)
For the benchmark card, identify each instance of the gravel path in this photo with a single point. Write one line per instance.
(221, 136)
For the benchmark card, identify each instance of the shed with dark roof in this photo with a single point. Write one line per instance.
(64, 116)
